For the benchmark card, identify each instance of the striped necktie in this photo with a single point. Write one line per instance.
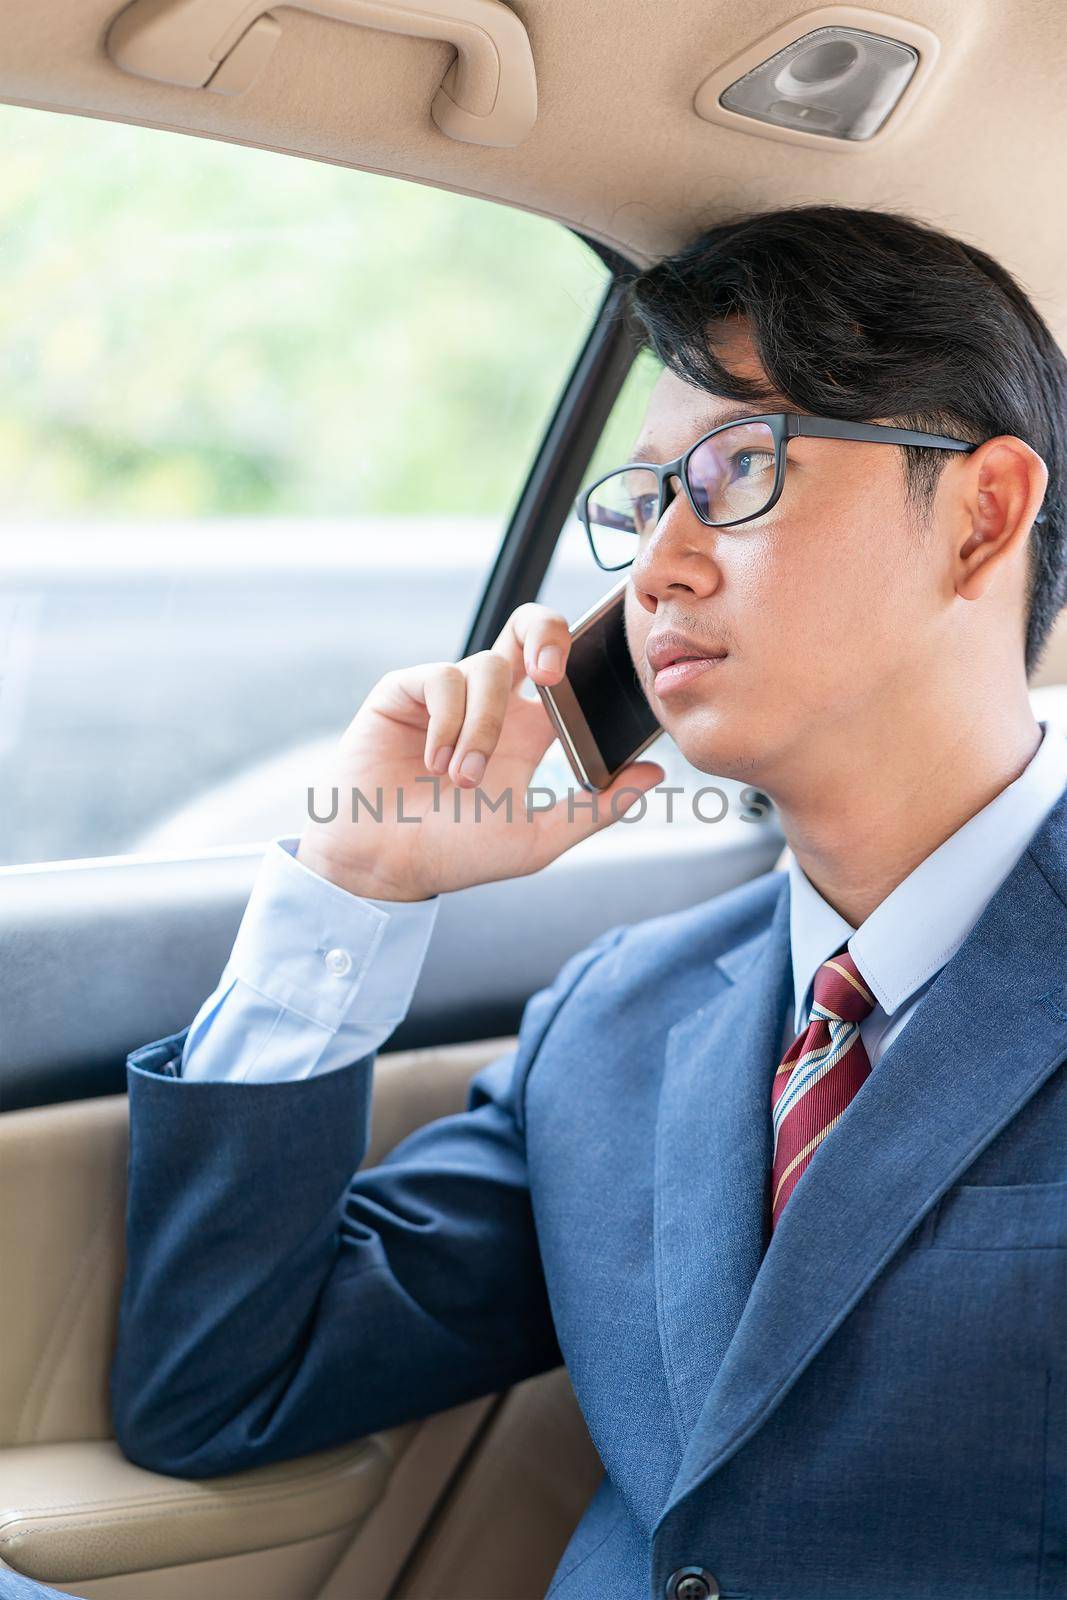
(819, 1074)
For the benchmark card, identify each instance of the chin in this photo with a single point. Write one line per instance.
(711, 744)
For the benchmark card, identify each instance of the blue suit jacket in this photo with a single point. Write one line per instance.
(874, 1407)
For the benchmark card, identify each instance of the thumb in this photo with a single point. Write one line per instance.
(625, 792)
(585, 813)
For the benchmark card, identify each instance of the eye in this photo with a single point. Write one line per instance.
(748, 462)
(645, 507)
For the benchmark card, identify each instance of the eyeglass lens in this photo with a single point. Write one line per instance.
(731, 475)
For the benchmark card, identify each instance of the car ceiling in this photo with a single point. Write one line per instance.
(617, 150)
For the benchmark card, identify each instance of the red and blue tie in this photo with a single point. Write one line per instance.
(819, 1074)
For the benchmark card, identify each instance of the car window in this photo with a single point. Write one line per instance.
(725, 810)
(262, 423)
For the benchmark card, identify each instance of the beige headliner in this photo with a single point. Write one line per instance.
(617, 150)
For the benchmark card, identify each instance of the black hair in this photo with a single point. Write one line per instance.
(872, 316)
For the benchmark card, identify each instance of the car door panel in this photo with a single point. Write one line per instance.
(73, 1509)
(128, 949)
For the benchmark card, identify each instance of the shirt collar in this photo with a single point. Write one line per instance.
(919, 926)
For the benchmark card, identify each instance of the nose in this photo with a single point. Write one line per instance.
(677, 558)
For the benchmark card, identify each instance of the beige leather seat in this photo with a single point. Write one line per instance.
(472, 1502)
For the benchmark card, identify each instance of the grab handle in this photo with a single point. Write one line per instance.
(487, 96)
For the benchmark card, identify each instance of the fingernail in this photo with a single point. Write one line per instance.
(441, 757)
(550, 659)
(472, 766)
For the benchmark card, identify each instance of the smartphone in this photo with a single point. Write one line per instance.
(599, 709)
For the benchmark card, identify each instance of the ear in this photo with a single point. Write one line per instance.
(1001, 486)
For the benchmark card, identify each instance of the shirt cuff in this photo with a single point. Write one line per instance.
(306, 944)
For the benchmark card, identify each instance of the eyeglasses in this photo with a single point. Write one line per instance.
(731, 474)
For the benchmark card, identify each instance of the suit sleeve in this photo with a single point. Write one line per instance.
(278, 1301)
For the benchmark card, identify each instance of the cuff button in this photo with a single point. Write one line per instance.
(338, 961)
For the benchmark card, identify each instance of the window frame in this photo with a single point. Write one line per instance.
(561, 459)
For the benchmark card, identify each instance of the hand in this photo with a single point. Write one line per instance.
(466, 724)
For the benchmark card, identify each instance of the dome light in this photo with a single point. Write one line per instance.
(840, 82)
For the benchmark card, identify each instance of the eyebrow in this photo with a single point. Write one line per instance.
(734, 414)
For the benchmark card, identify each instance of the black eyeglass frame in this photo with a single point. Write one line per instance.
(783, 425)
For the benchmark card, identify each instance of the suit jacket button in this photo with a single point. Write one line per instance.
(692, 1583)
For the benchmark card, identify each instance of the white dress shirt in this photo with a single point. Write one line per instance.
(316, 979)
(902, 946)
(319, 977)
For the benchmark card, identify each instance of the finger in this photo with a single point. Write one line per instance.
(444, 691)
(525, 735)
(530, 630)
(532, 729)
(401, 692)
(488, 689)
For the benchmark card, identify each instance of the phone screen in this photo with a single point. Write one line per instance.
(601, 674)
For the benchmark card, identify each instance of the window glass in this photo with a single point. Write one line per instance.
(262, 422)
(726, 811)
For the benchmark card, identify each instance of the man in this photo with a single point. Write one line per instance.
(783, 1176)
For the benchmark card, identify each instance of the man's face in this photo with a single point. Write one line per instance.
(827, 606)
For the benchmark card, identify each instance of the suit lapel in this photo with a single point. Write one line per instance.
(739, 1326)
(713, 1140)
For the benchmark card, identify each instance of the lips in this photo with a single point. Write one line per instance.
(664, 649)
